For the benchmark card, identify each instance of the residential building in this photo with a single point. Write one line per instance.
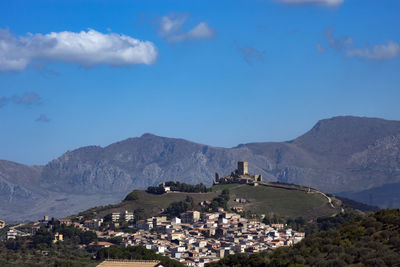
(58, 237)
(190, 216)
(128, 216)
(115, 216)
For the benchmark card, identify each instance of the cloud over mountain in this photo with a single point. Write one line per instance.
(171, 29)
(86, 48)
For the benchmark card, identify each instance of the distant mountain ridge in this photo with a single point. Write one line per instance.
(341, 154)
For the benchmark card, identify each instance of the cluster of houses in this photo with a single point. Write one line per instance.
(196, 238)
(193, 238)
(13, 232)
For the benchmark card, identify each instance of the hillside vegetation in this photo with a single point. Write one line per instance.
(371, 241)
(287, 203)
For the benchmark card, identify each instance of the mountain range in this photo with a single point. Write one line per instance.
(350, 156)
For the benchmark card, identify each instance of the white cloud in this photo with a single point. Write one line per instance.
(331, 3)
(86, 48)
(171, 29)
(345, 45)
(201, 31)
(378, 52)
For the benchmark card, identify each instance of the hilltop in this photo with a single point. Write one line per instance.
(341, 155)
(286, 201)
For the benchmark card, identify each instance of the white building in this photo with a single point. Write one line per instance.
(11, 234)
(115, 216)
(160, 249)
(176, 220)
(128, 216)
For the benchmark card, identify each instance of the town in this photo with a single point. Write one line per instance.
(193, 238)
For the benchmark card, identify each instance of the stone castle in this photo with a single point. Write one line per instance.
(240, 176)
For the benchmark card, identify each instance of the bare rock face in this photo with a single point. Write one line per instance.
(152, 160)
(349, 154)
(10, 192)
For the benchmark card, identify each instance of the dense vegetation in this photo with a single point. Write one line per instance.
(40, 250)
(370, 241)
(176, 208)
(58, 255)
(177, 187)
(136, 253)
(321, 224)
(220, 201)
(357, 205)
(134, 195)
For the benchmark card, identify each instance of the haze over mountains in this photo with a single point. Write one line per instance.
(344, 155)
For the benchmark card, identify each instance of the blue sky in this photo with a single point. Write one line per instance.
(76, 73)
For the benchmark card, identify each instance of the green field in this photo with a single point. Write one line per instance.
(268, 200)
(285, 202)
(154, 204)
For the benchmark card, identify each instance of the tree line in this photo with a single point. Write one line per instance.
(178, 187)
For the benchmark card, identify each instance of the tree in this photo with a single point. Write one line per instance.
(42, 237)
(108, 218)
(87, 237)
(132, 196)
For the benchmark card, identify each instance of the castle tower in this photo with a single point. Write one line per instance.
(243, 167)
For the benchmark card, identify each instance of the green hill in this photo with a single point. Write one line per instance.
(373, 240)
(287, 201)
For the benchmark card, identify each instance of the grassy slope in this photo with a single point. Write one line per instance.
(286, 203)
(152, 204)
(261, 200)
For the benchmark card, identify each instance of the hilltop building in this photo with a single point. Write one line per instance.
(243, 168)
(240, 176)
(2, 224)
